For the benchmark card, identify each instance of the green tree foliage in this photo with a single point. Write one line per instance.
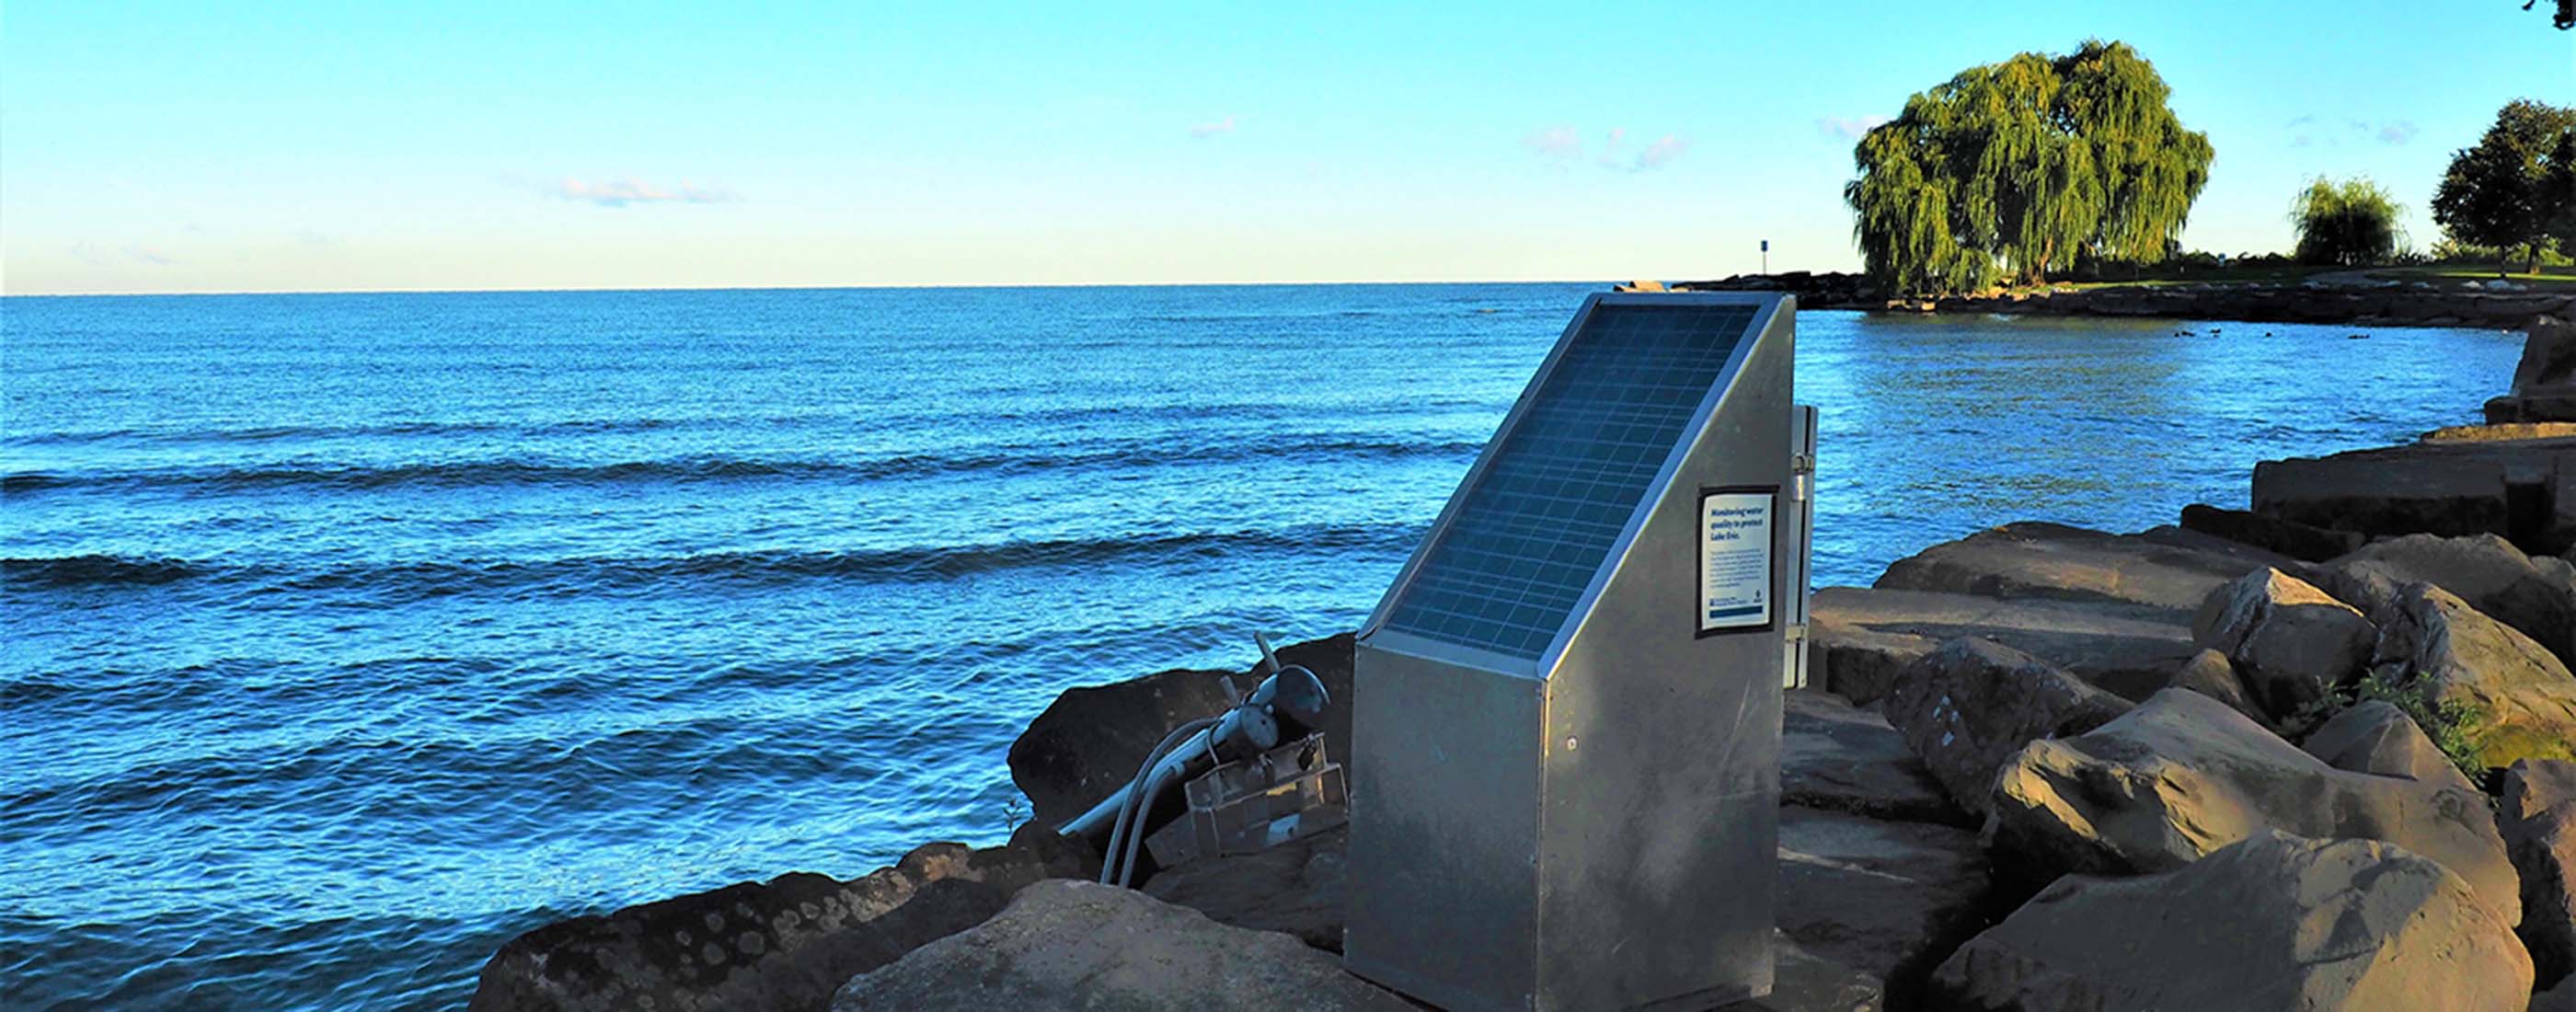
(2349, 223)
(2015, 169)
(2509, 191)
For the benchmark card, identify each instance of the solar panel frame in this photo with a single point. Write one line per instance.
(1535, 664)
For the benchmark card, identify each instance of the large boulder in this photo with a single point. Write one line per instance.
(776, 946)
(2211, 674)
(1857, 662)
(1084, 946)
(2539, 823)
(1887, 899)
(2291, 643)
(1968, 706)
(2182, 776)
(1839, 757)
(1295, 888)
(2305, 542)
(1090, 741)
(2377, 737)
(2128, 649)
(2059, 563)
(2544, 385)
(2514, 699)
(2273, 922)
(2488, 573)
(2513, 489)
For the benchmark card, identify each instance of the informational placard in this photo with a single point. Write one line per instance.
(1735, 575)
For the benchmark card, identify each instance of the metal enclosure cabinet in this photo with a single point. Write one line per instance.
(1566, 714)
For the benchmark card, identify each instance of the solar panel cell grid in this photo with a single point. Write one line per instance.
(1507, 571)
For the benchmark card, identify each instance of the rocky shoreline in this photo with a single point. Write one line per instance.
(2417, 304)
(2318, 754)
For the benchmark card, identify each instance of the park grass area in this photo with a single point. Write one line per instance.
(2553, 280)
(2561, 279)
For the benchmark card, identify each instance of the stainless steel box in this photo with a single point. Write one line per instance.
(1566, 716)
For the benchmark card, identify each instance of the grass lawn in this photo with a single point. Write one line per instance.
(2448, 276)
(2550, 279)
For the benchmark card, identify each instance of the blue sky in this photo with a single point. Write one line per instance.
(150, 148)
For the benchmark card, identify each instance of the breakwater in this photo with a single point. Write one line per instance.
(2039, 757)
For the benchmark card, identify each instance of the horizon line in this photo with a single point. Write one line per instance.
(846, 287)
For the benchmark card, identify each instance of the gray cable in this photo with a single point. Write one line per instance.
(1122, 829)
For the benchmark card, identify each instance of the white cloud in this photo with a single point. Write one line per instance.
(2398, 133)
(1849, 128)
(1556, 143)
(1204, 131)
(1563, 145)
(1662, 152)
(630, 190)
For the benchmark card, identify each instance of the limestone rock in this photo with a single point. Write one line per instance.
(1968, 706)
(2520, 700)
(2369, 586)
(1887, 899)
(2492, 576)
(1084, 946)
(2502, 432)
(779, 945)
(1842, 758)
(2182, 776)
(2291, 642)
(2274, 922)
(2539, 823)
(1295, 888)
(2129, 649)
(2376, 737)
(2512, 489)
(1090, 741)
(1856, 662)
(2060, 563)
(2211, 674)
(2544, 385)
(2287, 537)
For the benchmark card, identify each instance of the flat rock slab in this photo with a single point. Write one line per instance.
(2128, 649)
(2273, 922)
(1090, 741)
(1842, 758)
(2054, 562)
(776, 946)
(2511, 489)
(1884, 899)
(1084, 946)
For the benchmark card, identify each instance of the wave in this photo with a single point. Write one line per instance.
(92, 570)
(509, 472)
(416, 580)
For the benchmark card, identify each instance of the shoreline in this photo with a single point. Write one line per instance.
(2416, 304)
(2370, 546)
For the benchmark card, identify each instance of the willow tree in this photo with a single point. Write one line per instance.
(2349, 223)
(2015, 169)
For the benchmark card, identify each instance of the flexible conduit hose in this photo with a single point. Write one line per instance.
(1124, 831)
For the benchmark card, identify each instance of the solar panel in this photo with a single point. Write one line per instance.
(1529, 534)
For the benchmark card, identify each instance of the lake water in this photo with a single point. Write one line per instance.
(349, 635)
